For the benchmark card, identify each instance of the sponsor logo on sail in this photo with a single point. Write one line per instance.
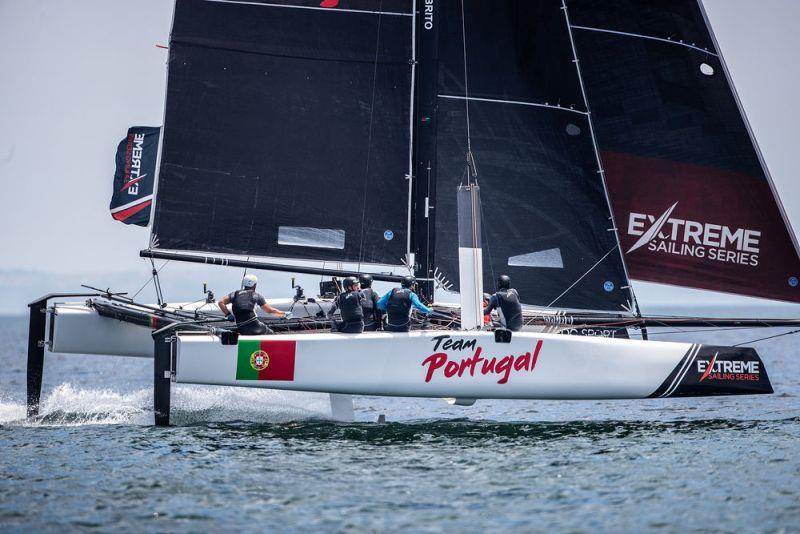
(737, 370)
(442, 363)
(667, 234)
(133, 163)
(428, 15)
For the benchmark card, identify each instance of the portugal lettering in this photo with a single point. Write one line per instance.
(477, 364)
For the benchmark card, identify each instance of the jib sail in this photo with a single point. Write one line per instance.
(691, 195)
(134, 176)
(287, 130)
(547, 222)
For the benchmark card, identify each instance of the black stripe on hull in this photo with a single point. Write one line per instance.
(707, 370)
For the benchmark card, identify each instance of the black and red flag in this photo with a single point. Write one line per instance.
(134, 177)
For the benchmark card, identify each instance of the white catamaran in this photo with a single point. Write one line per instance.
(608, 142)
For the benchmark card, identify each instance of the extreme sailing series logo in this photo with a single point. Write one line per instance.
(736, 370)
(670, 235)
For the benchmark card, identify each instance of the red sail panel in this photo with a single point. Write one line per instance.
(701, 227)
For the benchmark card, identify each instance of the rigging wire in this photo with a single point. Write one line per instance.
(765, 338)
(581, 277)
(149, 280)
(369, 136)
(466, 83)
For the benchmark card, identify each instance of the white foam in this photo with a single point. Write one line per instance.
(67, 405)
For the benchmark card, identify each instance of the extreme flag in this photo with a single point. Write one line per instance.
(134, 176)
(265, 360)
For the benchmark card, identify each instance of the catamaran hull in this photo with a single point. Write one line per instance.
(471, 365)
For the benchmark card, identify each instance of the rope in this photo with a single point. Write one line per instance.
(369, 137)
(765, 338)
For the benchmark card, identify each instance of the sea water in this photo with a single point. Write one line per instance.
(248, 460)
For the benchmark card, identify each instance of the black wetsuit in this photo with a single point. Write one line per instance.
(349, 305)
(369, 306)
(507, 301)
(398, 310)
(243, 303)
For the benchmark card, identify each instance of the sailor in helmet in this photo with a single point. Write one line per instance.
(506, 301)
(243, 303)
(349, 305)
(369, 304)
(398, 304)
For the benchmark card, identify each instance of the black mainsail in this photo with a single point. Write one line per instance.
(287, 131)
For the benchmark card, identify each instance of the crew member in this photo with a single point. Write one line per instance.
(243, 303)
(349, 305)
(398, 303)
(369, 304)
(506, 301)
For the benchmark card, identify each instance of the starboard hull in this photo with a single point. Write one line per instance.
(471, 365)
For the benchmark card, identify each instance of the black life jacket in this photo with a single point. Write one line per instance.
(510, 308)
(398, 307)
(243, 305)
(350, 307)
(368, 305)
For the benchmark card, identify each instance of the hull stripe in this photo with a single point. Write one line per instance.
(686, 366)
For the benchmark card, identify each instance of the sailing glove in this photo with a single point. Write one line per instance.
(231, 317)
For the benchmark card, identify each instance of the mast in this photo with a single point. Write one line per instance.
(424, 125)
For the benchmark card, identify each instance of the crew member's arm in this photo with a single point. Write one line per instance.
(493, 303)
(334, 307)
(267, 308)
(376, 311)
(419, 305)
(223, 306)
(383, 300)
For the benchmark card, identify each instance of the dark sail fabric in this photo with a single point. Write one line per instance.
(546, 220)
(134, 176)
(691, 196)
(287, 130)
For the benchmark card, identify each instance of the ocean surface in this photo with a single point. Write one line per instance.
(247, 460)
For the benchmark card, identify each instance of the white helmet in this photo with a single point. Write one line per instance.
(249, 281)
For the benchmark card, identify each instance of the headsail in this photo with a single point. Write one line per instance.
(547, 222)
(690, 191)
(287, 130)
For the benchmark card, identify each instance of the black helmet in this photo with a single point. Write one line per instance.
(503, 282)
(408, 281)
(365, 279)
(349, 282)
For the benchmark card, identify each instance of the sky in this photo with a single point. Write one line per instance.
(77, 74)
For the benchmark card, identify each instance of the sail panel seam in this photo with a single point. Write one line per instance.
(514, 102)
(312, 8)
(642, 36)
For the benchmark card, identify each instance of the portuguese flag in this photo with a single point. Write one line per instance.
(265, 360)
